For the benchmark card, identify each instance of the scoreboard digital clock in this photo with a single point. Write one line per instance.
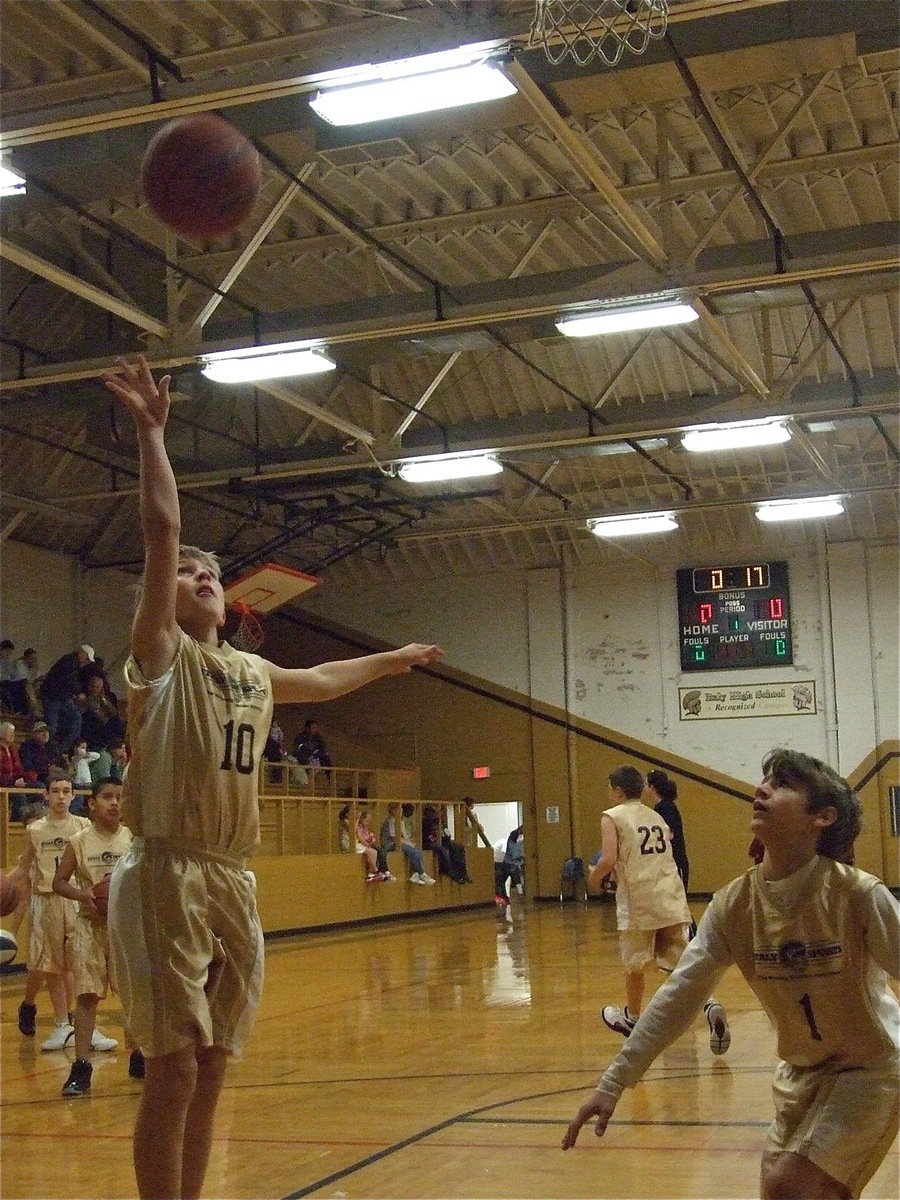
(734, 616)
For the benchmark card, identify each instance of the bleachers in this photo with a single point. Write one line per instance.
(305, 879)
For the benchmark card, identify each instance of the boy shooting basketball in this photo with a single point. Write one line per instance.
(815, 939)
(184, 930)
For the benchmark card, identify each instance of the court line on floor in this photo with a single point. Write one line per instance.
(471, 1116)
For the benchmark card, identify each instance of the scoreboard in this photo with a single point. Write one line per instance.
(734, 616)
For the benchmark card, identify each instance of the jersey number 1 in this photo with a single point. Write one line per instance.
(806, 1004)
(242, 748)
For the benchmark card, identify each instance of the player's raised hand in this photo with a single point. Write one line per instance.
(135, 386)
(416, 654)
(599, 1105)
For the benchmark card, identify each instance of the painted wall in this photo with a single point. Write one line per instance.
(554, 677)
(48, 602)
(598, 650)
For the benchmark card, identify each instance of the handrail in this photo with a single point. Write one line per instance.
(291, 822)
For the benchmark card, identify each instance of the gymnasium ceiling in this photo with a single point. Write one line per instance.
(748, 159)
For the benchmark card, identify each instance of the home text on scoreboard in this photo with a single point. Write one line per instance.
(734, 616)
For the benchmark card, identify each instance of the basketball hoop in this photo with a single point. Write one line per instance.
(589, 29)
(249, 634)
(262, 590)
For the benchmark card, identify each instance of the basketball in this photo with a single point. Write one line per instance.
(100, 893)
(200, 175)
(8, 947)
(9, 896)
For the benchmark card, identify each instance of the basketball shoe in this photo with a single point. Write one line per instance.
(617, 1019)
(719, 1033)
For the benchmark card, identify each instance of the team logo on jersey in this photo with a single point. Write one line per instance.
(232, 690)
(57, 843)
(798, 960)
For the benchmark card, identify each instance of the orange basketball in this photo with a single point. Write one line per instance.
(200, 175)
(100, 892)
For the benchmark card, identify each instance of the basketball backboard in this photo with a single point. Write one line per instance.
(268, 587)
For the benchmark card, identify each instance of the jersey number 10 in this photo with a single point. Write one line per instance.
(238, 742)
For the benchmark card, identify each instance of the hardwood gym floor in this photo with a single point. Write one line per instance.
(435, 1057)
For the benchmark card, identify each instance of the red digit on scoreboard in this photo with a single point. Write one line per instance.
(706, 612)
(776, 607)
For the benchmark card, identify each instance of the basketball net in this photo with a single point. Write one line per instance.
(249, 634)
(585, 30)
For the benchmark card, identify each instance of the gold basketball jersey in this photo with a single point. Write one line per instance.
(806, 960)
(97, 853)
(50, 839)
(649, 891)
(197, 734)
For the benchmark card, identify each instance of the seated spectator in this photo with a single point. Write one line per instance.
(411, 851)
(39, 753)
(12, 773)
(344, 829)
(451, 855)
(110, 762)
(62, 691)
(310, 749)
(367, 845)
(80, 763)
(100, 720)
(274, 750)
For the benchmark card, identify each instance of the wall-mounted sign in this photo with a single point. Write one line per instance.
(481, 772)
(552, 814)
(795, 699)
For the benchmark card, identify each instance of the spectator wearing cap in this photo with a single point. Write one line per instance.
(62, 694)
(39, 753)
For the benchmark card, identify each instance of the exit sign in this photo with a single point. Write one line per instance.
(481, 772)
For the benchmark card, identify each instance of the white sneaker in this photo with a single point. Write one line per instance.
(423, 878)
(719, 1033)
(417, 878)
(59, 1038)
(99, 1041)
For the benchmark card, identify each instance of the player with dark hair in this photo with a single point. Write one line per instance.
(816, 940)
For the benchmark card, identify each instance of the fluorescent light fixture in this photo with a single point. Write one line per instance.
(633, 525)
(363, 103)
(11, 182)
(430, 470)
(736, 435)
(799, 510)
(628, 316)
(265, 362)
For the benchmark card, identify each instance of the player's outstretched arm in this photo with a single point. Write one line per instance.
(302, 685)
(154, 634)
(600, 1105)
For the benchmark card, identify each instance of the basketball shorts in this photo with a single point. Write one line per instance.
(641, 947)
(50, 944)
(187, 947)
(93, 968)
(843, 1120)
